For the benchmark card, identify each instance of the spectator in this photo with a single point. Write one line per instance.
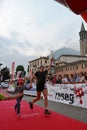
(59, 80)
(64, 79)
(82, 78)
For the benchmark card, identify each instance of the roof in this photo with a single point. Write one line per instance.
(82, 27)
(69, 55)
(39, 59)
(76, 62)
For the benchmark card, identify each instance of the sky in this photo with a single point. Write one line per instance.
(32, 28)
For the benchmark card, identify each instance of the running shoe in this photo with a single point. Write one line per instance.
(18, 115)
(31, 105)
(47, 112)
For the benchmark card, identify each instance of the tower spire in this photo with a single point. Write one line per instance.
(82, 27)
(83, 40)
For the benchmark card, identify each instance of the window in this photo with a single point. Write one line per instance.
(38, 62)
(83, 66)
(77, 67)
(82, 36)
(67, 69)
(41, 62)
(72, 68)
(46, 61)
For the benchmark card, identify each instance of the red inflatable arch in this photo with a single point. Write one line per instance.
(79, 7)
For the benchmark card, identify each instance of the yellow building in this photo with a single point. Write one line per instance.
(35, 64)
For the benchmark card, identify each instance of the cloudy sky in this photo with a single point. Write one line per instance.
(32, 28)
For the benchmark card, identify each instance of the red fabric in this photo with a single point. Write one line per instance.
(84, 15)
(20, 80)
(77, 6)
(34, 119)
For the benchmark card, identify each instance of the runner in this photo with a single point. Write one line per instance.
(19, 95)
(41, 87)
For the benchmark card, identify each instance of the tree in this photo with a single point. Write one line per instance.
(5, 73)
(21, 69)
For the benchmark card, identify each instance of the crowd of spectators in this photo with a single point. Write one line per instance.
(55, 79)
(70, 79)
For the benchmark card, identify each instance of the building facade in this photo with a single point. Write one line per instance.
(71, 68)
(35, 64)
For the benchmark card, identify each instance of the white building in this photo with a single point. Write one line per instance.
(70, 58)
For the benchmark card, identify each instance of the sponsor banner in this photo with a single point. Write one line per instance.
(72, 94)
(32, 91)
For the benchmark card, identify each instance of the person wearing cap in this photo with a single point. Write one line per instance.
(18, 95)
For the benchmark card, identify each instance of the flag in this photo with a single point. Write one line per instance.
(30, 74)
(51, 57)
(12, 69)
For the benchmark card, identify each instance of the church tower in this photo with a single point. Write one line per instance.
(83, 40)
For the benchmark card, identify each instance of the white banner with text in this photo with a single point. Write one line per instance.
(73, 94)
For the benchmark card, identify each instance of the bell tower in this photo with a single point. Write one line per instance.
(83, 40)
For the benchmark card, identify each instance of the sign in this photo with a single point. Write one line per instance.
(72, 94)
